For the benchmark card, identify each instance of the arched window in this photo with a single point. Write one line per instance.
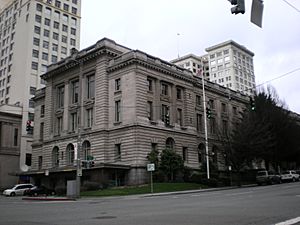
(170, 144)
(201, 152)
(70, 154)
(86, 150)
(55, 157)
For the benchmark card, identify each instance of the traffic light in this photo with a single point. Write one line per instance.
(28, 125)
(252, 104)
(91, 164)
(208, 112)
(84, 164)
(239, 6)
(167, 119)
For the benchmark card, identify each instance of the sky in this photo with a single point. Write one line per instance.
(168, 28)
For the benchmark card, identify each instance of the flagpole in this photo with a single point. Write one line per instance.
(205, 126)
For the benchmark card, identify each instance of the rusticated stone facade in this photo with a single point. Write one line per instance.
(114, 102)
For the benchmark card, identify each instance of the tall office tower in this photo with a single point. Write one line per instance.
(231, 65)
(33, 34)
(228, 64)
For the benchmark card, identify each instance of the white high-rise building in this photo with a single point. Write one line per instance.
(231, 65)
(33, 34)
(228, 64)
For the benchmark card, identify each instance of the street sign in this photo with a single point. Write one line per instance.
(75, 151)
(79, 172)
(150, 167)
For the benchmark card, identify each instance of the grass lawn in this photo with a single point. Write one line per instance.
(145, 189)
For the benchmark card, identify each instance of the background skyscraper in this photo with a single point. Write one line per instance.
(33, 34)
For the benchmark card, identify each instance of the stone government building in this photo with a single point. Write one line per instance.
(114, 102)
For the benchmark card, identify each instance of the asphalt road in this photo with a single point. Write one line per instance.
(264, 205)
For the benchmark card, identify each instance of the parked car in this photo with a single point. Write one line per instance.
(41, 190)
(267, 177)
(18, 189)
(290, 175)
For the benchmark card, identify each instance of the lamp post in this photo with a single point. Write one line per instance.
(205, 127)
(78, 149)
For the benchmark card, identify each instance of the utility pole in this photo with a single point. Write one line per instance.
(205, 126)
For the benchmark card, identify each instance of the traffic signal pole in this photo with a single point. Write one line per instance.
(205, 128)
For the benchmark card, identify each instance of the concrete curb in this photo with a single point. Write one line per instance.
(197, 191)
(48, 199)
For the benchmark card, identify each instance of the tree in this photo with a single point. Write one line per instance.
(170, 163)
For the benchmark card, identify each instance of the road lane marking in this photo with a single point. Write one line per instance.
(289, 222)
(240, 193)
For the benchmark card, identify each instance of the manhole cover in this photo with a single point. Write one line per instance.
(105, 217)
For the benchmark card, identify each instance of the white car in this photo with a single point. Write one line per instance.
(17, 189)
(289, 175)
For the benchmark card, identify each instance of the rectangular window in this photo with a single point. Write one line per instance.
(64, 39)
(72, 42)
(36, 41)
(54, 47)
(28, 159)
(59, 125)
(224, 108)
(16, 135)
(60, 96)
(42, 131)
(45, 56)
(89, 117)
(45, 44)
(56, 25)
(199, 122)
(164, 89)
(150, 85)
(179, 116)
(165, 114)
(54, 58)
(42, 110)
(118, 84)
(38, 19)
(34, 65)
(150, 110)
(118, 111)
(185, 154)
(46, 33)
(40, 162)
(35, 53)
(74, 10)
(179, 93)
(198, 100)
(73, 31)
(90, 81)
(64, 28)
(37, 30)
(39, 7)
(118, 152)
(74, 91)
(47, 22)
(55, 36)
(74, 121)
(57, 4)
(66, 7)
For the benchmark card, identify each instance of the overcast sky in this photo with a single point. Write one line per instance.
(153, 27)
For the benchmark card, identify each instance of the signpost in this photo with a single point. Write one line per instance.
(151, 168)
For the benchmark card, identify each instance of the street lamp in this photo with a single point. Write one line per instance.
(205, 126)
(78, 144)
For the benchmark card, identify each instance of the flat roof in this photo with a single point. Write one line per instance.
(230, 42)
